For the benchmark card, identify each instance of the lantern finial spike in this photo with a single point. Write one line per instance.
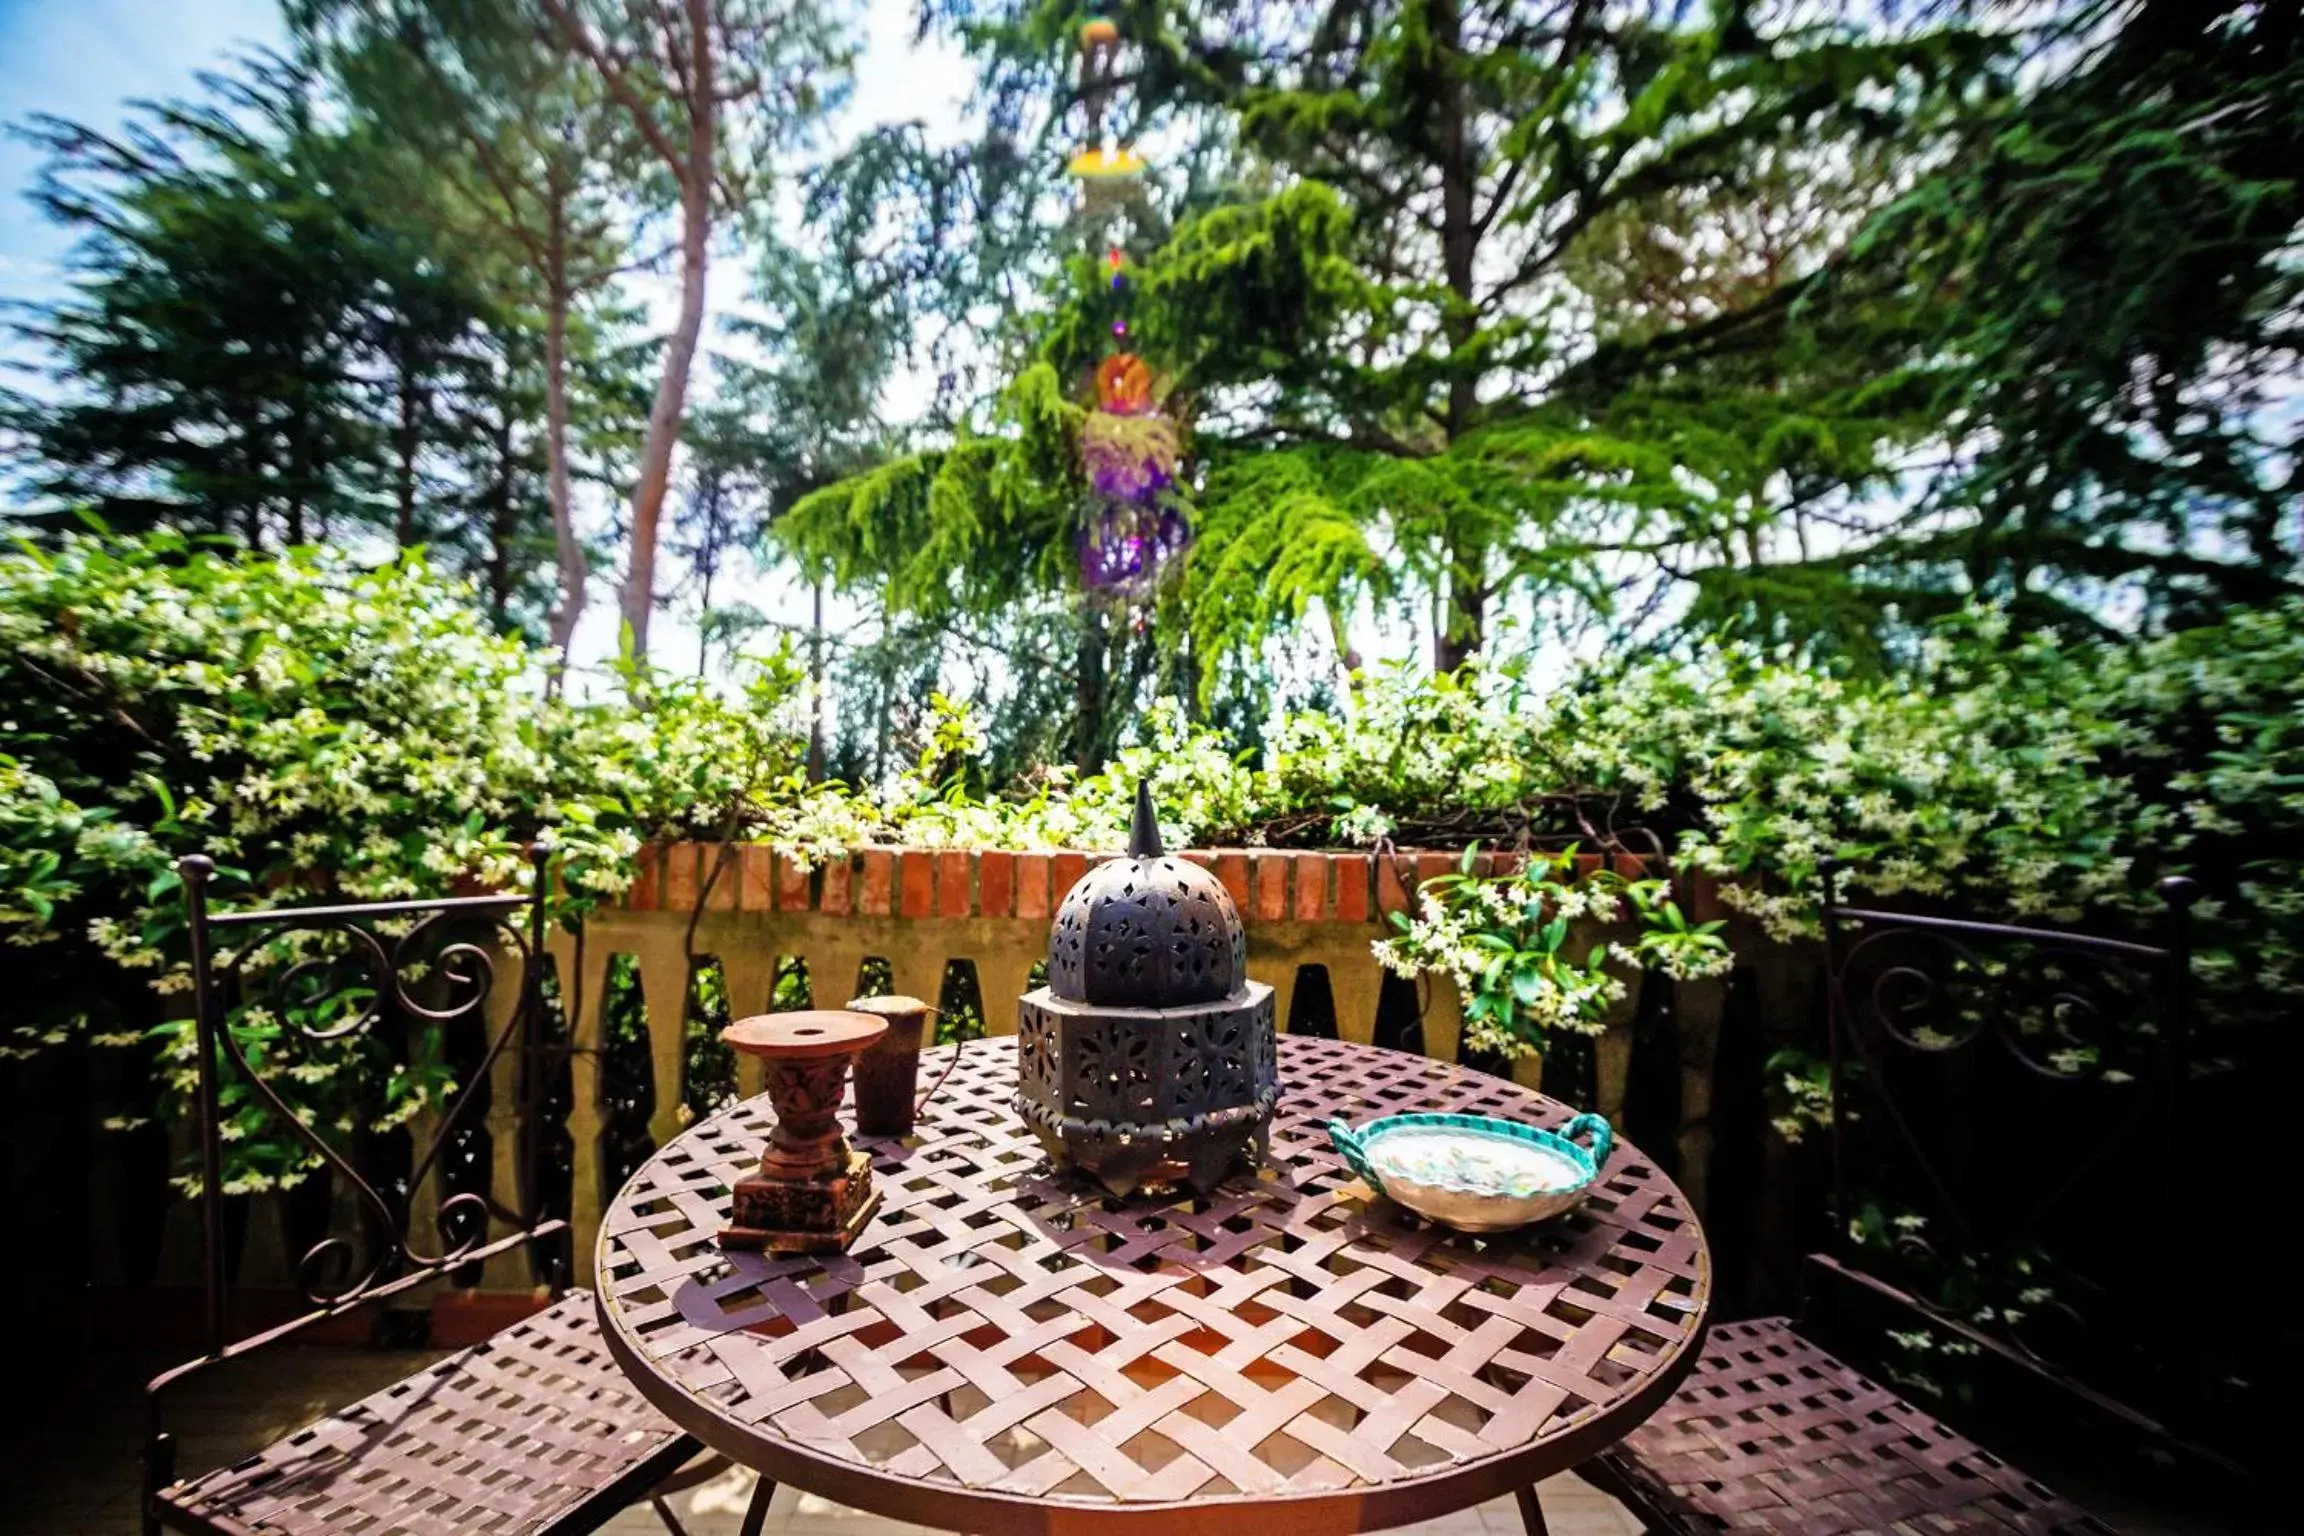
(1144, 836)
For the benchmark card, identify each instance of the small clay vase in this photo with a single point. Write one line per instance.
(888, 1073)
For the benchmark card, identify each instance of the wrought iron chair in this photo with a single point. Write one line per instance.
(1985, 1079)
(535, 1429)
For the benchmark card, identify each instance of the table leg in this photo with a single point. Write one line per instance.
(1531, 1512)
(756, 1513)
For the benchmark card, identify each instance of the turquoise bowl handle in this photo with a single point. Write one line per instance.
(1355, 1155)
(1603, 1138)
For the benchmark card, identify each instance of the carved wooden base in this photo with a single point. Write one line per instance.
(823, 1215)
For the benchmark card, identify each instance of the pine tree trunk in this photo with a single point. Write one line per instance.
(404, 449)
(680, 353)
(703, 614)
(816, 688)
(568, 550)
(299, 485)
(1464, 620)
(1089, 702)
(885, 680)
(502, 525)
(246, 514)
(1347, 656)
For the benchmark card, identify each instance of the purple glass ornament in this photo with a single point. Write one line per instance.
(1129, 457)
(1127, 547)
(1130, 481)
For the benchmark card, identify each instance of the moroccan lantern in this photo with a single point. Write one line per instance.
(1147, 1061)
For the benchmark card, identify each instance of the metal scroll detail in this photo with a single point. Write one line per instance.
(2079, 1026)
(2005, 1108)
(2063, 1013)
(381, 984)
(304, 988)
(366, 982)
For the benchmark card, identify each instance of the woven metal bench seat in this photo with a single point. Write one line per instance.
(1772, 1434)
(534, 1430)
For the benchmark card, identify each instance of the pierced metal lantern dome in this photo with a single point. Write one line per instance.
(1147, 931)
(1147, 1061)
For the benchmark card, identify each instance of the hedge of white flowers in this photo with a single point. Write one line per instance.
(313, 726)
(316, 725)
(1510, 943)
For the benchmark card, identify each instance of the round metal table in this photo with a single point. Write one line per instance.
(1008, 1350)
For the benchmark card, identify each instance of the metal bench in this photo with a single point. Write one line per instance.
(532, 1431)
(1772, 1433)
(1936, 1024)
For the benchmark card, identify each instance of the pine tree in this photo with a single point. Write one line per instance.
(268, 341)
(202, 372)
(1401, 389)
(506, 142)
(966, 547)
(2101, 282)
(708, 92)
(1375, 284)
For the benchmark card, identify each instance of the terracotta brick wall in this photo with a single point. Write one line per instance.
(1268, 884)
(921, 909)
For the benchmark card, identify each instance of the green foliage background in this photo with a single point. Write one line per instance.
(1892, 406)
(320, 727)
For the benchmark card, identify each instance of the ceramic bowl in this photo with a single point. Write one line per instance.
(1475, 1173)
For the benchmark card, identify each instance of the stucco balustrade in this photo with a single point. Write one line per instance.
(919, 909)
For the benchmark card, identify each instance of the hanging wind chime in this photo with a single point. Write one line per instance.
(1134, 526)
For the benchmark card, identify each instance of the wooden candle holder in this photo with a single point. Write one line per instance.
(814, 1192)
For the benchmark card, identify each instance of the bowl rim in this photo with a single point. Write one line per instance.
(1482, 1125)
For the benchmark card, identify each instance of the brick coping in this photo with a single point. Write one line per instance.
(1268, 884)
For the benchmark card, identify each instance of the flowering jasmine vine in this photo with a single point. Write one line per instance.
(1529, 951)
(322, 727)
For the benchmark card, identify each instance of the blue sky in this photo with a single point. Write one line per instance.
(85, 59)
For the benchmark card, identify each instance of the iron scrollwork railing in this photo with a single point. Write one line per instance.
(431, 965)
(1985, 1077)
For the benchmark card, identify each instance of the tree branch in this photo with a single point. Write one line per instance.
(492, 168)
(579, 37)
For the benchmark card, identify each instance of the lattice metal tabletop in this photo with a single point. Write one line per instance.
(1008, 1350)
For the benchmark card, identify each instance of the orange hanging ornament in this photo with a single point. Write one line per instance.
(1124, 384)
